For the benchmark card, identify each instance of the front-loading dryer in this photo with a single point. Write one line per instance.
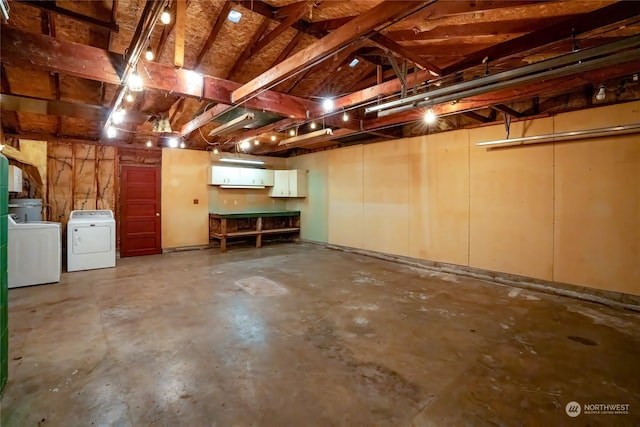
(91, 240)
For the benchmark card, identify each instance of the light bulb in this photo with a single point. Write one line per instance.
(292, 132)
(111, 132)
(256, 142)
(345, 117)
(312, 125)
(602, 93)
(273, 138)
(328, 104)
(149, 54)
(430, 117)
(165, 18)
(173, 143)
(135, 82)
(149, 143)
(118, 117)
(129, 97)
(182, 145)
(244, 145)
(215, 151)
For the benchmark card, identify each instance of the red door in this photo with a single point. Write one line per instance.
(140, 211)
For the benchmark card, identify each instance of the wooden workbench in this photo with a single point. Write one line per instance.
(223, 226)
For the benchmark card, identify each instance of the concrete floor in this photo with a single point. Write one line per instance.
(300, 335)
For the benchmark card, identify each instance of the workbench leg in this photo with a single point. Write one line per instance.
(223, 232)
(259, 229)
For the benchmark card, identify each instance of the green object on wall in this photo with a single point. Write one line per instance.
(4, 289)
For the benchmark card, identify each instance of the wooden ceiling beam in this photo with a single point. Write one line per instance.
(24, 49)
(252, 133)
(561, 30)
(387, 43)
(246, 53)
(320, 29)
(203, 119)
(181, 14)
(298, 12)
(363, 25)
(50, 6)
(213, 34)
(288, 49)
(544, 88)
(383, 89)
(478, 117)
(506, 110)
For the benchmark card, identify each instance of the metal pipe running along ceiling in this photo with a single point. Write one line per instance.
(572, 63)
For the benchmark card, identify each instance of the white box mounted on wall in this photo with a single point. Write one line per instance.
(15, 179)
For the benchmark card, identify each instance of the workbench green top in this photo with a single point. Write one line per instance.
(258, 214)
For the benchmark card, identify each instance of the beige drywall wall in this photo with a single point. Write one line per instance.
(386, 197)
(597, 207)
(439, 193)
(184, 180)
(314, 209)
(511, 202)
(565, 211)
(346, 197)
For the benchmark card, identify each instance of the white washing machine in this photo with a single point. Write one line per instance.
(91, 240)
(35, 253)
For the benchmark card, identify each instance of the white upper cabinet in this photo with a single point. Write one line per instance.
(289, 183)
(256, 177)
(222, 175)
(240, 177)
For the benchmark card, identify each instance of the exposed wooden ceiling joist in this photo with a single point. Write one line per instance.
(543, 88)
(578, 24)
(404, 52)
(21, 48)
(51, 6)
(360, 26)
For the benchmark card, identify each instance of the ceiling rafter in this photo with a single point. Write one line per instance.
(360, 26)
(298, 12)
(562, 30)
(246, 53)
(50, 6)
(387, 43)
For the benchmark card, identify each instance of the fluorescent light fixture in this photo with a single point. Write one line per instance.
(306, 138)
(4, 6)
(241, 161)
(564, 136)
(111, 132)
(354, 62)
(235, 124)
(234, 16)
(135, 82)
(328, 105)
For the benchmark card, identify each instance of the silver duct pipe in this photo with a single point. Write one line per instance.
(555, 67)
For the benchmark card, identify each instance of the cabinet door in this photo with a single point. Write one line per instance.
(222, 175)
(280, 184)
(297, 183)
(257, 177)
